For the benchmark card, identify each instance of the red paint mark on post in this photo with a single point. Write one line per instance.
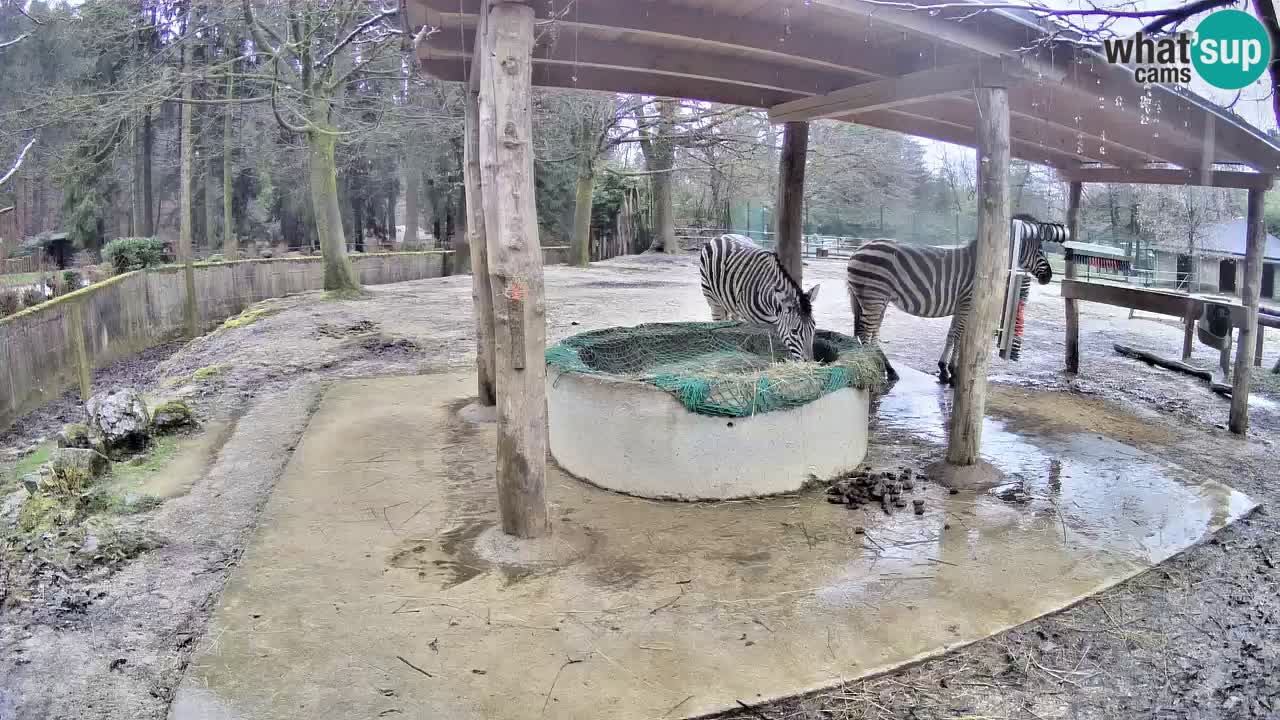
(515, 291)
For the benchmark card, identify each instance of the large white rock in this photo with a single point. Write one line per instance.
(120, 418)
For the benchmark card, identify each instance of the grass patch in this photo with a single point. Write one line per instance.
(209, 372)
(162, 451)
(19, 279)
(32, 462)
(250, 316)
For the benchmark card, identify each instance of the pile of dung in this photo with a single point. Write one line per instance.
(865, 486)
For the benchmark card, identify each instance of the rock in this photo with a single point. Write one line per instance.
(918, 505)
(10, 507)
(171, 416)
(32, 482)
(75, 469)
(74, 435)
(120, 418)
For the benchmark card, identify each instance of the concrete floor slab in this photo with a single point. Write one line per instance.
(371, 588)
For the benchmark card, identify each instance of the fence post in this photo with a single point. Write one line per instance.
(75, 328)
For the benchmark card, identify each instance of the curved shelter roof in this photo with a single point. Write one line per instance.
(906, 70)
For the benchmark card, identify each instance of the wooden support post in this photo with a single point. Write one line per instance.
(1189, 328)
(1257, 348)
(75, 327)
(481, 292)
(515, 267)
(1074, 190)
(991, 263)
(790, 214)
(1249, 297)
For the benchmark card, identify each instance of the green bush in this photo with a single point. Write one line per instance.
(72, 280)
(134, 253)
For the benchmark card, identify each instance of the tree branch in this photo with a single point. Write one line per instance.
(14, 41)
(352, 35)
(17, 163)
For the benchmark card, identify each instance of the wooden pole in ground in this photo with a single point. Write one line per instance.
(790, 215)
(1074, 190)
(991, 263)
(1189, 320)
(481, 291)
(1257, 348)
(515, 267)
(1249, 292)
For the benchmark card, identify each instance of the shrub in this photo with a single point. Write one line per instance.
(32, 297)
(133, 253)
(72, 280)
(10, 302)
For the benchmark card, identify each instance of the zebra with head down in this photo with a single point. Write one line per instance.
(930, 281)
(741, 281)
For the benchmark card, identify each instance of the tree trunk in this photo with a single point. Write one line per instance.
(139, 207)
(992, 254)
(790, 210)
(393, 196)
(339, 276)
(511, 223)
(580, 243)
(357, 220)
(212, 179)
(186, 171)
(411, 177)
(1072, 358)
(1250, 293)
(148, 200)
(230, 239)
(481, 292)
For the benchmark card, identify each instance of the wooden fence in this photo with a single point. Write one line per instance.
(54, 346)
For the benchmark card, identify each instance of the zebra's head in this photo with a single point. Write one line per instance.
(1032, 235)
(795, 323)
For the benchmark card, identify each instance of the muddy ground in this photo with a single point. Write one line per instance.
(1197, 637)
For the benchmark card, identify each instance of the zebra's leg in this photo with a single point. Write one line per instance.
(872, 315)
(946, 367)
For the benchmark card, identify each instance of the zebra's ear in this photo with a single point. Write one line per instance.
(813, 293)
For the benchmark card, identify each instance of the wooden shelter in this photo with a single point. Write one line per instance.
(999, 81)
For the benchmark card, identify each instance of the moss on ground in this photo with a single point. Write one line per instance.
(350, 294)
(251, 315)
(210, 372)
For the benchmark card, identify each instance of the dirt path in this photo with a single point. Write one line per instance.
(1194, 638)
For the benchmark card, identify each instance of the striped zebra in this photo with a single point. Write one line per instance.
(743, 282)
(928, 281)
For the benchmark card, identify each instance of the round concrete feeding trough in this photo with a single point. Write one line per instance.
(702, 411)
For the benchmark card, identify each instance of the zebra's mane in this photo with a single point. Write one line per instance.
(806, 308)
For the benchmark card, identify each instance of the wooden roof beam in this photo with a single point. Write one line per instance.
(959, 134)
(589, 50)
(1169, 176)
(907, 89)
(711, 31)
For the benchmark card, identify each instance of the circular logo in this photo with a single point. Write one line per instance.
(1231, 50)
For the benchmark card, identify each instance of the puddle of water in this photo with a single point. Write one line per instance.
(1098, 490)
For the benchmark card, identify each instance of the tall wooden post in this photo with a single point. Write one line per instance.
(481, 291)
(1249, 296)
(990, 265)
(1074, 190)
(515, 267)
(790, 216)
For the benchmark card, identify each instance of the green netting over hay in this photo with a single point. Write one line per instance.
(725, 369)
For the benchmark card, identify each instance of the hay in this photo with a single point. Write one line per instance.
(723, 369)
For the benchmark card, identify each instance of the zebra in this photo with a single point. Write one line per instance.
(930, 281)
(744, 282)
